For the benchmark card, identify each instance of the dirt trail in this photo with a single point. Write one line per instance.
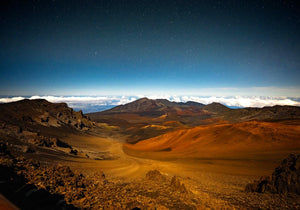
(120, 165)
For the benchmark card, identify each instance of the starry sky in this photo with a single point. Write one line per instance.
(106, 47)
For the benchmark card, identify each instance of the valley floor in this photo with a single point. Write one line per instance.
(208, 183)
(216, 183)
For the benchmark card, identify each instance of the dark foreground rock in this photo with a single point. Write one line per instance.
(15, 187)
(285, 179)
(30, 184)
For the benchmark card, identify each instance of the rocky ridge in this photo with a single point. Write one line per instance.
(30, 124)
(29, 114)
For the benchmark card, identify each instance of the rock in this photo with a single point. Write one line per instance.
(27, 149)
(177, 186)
(80, 113)
(155, 175)
(15, 187)
(4, 150)
(44, 141)
(79, 124)
(45, 119)
(60, 143)
(74, 151)
(14, 128)
(252, 187)
(264, 184)
(285, 179)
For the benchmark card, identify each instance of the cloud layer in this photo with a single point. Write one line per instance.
(97, 103)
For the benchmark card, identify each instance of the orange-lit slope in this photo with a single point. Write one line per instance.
(223, 140)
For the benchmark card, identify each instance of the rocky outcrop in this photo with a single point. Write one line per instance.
(28, 113)
(176, 185)
(48, 142)
(38, 123)
(285, 179)
(155, 175)
(264, 184)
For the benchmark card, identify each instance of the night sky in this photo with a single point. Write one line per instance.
(150, 47)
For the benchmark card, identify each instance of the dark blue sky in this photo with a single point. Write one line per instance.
(133, 47)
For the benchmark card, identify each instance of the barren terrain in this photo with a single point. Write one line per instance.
(93, 165)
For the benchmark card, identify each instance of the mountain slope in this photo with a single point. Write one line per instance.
(273, 113)
(149, 105)
(227, 140)
(148, 111)
(146, 118)
(189, 112)
(216, 108)
(36, 125)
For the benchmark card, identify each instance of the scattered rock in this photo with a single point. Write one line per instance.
(48, 142)
(92, 191)
(14, 187)
(74, 151)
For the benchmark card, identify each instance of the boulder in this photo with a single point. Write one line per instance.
(285, 179)
(177, 185)
(155, 175)
(4, 150)
(27, 149)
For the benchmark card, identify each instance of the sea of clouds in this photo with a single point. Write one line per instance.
(99, 103)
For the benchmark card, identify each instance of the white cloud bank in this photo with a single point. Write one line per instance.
(243, 101)
(93, 100)
(83, 102)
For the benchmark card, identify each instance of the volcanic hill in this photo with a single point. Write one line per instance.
(241, 140)
(146, 118)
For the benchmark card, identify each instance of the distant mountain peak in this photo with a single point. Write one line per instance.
(149, 105)
(216, 107)
(143, 99)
